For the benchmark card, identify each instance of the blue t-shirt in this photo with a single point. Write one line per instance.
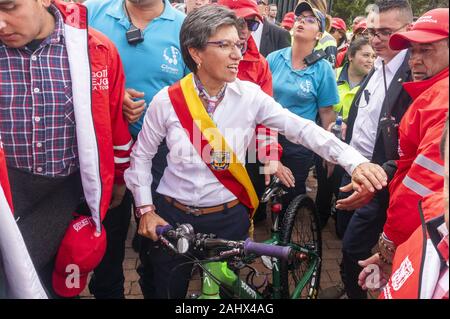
(150, 65)
(302, 92)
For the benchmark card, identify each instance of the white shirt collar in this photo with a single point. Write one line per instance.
(393, 65)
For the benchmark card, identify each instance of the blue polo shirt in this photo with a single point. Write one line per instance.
(302, 92)
(150, 65)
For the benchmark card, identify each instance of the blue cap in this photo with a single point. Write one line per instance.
(305, 6)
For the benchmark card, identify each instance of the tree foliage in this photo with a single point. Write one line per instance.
(349, 9)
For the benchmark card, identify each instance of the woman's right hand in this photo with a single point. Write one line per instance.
(148, 223)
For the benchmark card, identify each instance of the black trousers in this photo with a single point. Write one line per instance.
(299, 160)
(43, 209)
(167, 276)
(326, 188)
(108, 279)
(361, 232)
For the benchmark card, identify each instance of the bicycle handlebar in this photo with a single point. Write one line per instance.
(161, 230)
(261, 249)
(208, 242)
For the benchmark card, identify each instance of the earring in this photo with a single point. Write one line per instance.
(199, 66)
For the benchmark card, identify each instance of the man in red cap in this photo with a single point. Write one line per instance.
(339, 32)
(420, 169)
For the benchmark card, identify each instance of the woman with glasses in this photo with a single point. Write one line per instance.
(305, 89)
(208, 120)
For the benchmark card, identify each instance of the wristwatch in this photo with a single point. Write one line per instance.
(143, 210)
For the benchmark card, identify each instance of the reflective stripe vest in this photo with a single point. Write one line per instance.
(329, 45)
(420, 169)
(346, 95)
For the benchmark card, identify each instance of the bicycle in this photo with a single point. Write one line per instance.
(293, 255)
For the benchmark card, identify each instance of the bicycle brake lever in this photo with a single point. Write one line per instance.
(168, 244)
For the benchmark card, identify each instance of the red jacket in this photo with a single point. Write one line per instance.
(98, 85)
(417, 263)
(254, 68)
(420, 169)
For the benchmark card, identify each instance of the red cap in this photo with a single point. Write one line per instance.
(79, 253)
(429, 28)
(242, 8)
(360, 26)
(338, 24)
(288, 20)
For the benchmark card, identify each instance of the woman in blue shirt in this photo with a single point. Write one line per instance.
(306, 90)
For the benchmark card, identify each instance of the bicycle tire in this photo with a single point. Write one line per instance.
(301, 226)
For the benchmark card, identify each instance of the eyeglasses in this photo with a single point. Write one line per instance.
(383, 33)
(228, 46)
(252, 25)
(307, 19)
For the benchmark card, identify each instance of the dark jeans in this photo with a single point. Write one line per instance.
(108, 279)
(326, 188)
(164, 275)
(43, 209)
(299, 160)
(361, 235)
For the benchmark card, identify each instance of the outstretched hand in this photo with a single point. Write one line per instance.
(368, 175)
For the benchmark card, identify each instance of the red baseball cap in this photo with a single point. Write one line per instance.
(288, 20)
(81, 250)
(242, 8)
(338, 24)
(429, 28)
(360, 26)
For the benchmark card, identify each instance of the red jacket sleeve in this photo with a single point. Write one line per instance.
(267, 140)
(122, 141)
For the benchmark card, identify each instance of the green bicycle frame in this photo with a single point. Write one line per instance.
(221, 275)
(224, 276)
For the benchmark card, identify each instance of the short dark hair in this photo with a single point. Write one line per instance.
(356, 45)
(444, 140)
(403, 6)
(199, 26)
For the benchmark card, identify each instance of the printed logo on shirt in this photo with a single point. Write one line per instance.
(306, 86)
(402, 274)
(100, 80)
(172, 58)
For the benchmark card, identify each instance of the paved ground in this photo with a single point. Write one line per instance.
(330, 264)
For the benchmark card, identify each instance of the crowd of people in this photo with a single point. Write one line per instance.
(182, 111)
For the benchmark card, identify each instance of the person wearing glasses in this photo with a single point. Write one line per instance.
(373, 118)
(305, 89)
(208, 119)
(146, 34)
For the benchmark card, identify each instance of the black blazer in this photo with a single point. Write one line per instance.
(273, 38)
(396, 104)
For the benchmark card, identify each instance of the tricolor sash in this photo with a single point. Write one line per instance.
(212, 146)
